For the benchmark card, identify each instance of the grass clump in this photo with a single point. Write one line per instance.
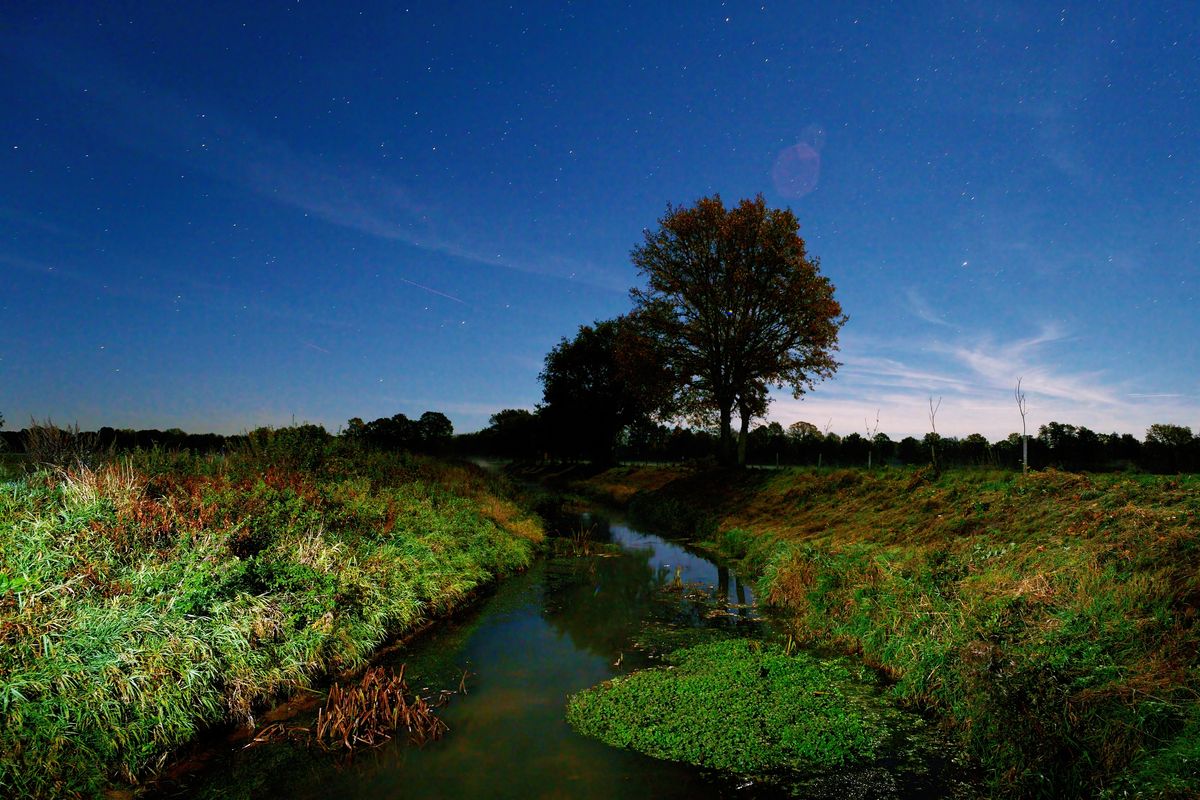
(1051, 619)
(146, 599)
(737, 705)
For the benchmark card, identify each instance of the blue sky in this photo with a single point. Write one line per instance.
(216, 216)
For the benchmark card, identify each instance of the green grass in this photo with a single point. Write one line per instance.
(736, 705)
(1051, 619)
(147, 600)
(10, 465)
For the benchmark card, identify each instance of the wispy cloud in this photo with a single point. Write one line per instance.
(346, 192)
(14, 216)
(204, 293)
(975, 374)
(921, 308)
(993, 366)
(893, 373)
(29, 265)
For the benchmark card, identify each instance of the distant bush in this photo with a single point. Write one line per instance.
(49, 445)
(299, 447)
(735, 542)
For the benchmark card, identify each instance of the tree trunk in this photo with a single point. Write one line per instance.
(725, 445)
(743, 436)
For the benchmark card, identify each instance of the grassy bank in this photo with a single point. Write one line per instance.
(1050, 618)
(146, 600)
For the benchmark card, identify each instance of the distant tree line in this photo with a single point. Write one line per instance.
(124, 439)
(432, 432)
(533, 435)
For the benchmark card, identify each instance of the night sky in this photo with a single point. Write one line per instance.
(215, 216)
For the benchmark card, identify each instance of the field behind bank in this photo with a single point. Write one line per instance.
(149, 598)
(1051, 619)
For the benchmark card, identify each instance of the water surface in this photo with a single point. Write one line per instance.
(568, 623)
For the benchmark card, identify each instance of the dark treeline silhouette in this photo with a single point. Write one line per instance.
(524, 435)
(123, 439)
(431, 433)
(43, 441)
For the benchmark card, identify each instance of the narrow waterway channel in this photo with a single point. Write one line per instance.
(602, 607)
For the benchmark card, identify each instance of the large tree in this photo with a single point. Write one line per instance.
(596, 385)
(739, 304)
(435, 430)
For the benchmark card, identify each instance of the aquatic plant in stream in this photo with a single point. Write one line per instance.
(369, 713)
(739, 705)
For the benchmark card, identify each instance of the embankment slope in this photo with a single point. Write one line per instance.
(146, 600)
(1050, 618)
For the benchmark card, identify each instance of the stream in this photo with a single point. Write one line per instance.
(601, 607)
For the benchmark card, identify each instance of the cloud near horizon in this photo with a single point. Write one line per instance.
(975, 376)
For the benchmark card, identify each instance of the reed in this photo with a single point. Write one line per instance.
(368, 713)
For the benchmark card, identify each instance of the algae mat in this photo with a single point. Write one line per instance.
(739, 705)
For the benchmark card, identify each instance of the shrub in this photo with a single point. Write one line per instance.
(49, 445)
(304, 448)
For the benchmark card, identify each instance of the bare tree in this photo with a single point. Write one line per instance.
(871, 434)
(933, 426)
(1019, 396)
(824, 438)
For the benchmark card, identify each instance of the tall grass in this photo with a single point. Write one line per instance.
(52, 445)
(1050, 618)
(146, 599)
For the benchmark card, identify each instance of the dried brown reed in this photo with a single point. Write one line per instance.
(580, 540)
(370, 712)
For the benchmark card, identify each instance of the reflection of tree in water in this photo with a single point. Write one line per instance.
(601, 602)
(597, 601)
(739, 589)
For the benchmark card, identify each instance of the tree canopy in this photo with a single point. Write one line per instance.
(737, 303)
(432, 432)
(605, 379)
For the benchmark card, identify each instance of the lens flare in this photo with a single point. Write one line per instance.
(797, 169)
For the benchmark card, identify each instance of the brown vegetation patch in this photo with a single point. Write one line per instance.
(508, 516)
(369, 713)
(1035, 588)
(793, 581)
